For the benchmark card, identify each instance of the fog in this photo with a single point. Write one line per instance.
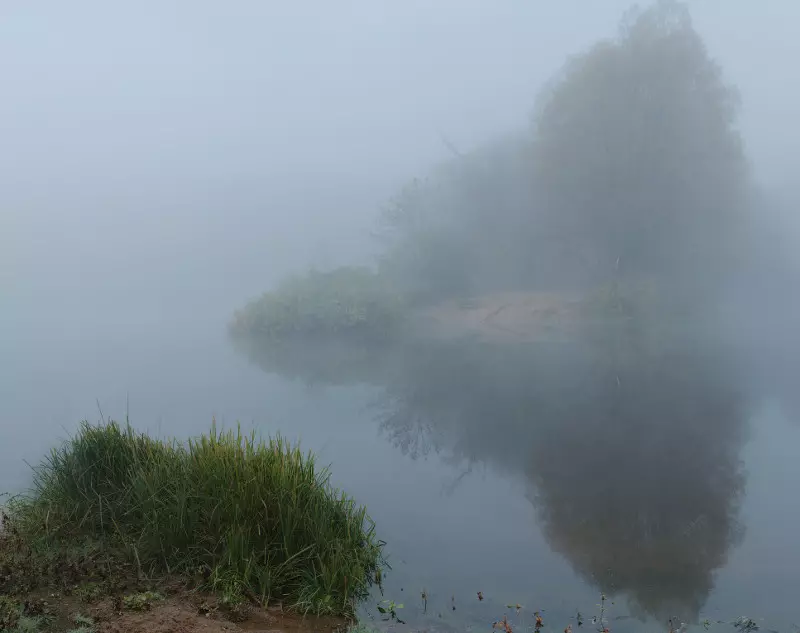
(172, 157)
(162, 163)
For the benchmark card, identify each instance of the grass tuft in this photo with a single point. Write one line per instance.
(27, 624)
(246, 518)
(142, 601)
(10, 612)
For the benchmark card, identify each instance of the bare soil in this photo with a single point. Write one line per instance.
(181, 612)
(72, 586)
(180, 615)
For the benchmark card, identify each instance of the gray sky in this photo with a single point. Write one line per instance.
(184, 154)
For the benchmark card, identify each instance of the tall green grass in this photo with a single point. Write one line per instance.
(253, 518)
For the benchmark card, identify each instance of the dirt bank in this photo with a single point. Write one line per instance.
(505, 317)
(179, 612)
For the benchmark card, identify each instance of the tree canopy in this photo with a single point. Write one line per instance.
(637, 157)
(632, 166)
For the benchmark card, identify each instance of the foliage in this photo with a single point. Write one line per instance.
(89, 591)
(141, 601)
(456, 232)
(633, 168)
(10, 612)
(346, 303)
(389, 608)
(637, 156)
(84, 621)
(83, 624)
(27, 624)
(258, 514)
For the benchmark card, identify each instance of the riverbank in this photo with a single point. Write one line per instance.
(123, 530)
(169, 610)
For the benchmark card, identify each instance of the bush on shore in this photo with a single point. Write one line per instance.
(349, 303)
(250, 519)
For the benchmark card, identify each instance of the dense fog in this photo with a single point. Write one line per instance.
(163, 163)
(177, 159)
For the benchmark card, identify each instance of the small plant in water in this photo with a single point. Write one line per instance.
(503, 625)
(745, 624)
(600, 621)
(390, 610)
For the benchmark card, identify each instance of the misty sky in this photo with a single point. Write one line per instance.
(172, 156)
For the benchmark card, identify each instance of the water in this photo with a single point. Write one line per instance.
(534, 476)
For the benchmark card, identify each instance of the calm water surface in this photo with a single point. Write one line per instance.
(671, 486)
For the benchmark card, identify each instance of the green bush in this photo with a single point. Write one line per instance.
(255, 516)
(349, 302)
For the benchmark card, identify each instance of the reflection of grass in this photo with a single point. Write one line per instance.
(346, 303)
(226, 511)
(326, 362)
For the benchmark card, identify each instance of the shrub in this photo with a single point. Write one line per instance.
(349, 302)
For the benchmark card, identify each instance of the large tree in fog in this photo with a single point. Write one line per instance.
(633, 467)
(638, 164)
(633, 167)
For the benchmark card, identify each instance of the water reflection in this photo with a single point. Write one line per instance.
(629, 453)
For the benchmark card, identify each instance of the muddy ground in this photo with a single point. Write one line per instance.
(181, 612)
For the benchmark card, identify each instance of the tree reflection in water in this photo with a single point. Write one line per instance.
(630, 457)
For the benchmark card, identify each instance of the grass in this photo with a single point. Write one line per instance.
(250, 520)
(345, 303)
(141, 601)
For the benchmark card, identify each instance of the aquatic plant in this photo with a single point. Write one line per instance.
(231, 512)
(389, 608)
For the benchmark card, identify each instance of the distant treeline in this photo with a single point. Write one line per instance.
(631, 174)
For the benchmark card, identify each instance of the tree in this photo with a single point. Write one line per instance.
(638, 163)
(633, 170)
(454, 232)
